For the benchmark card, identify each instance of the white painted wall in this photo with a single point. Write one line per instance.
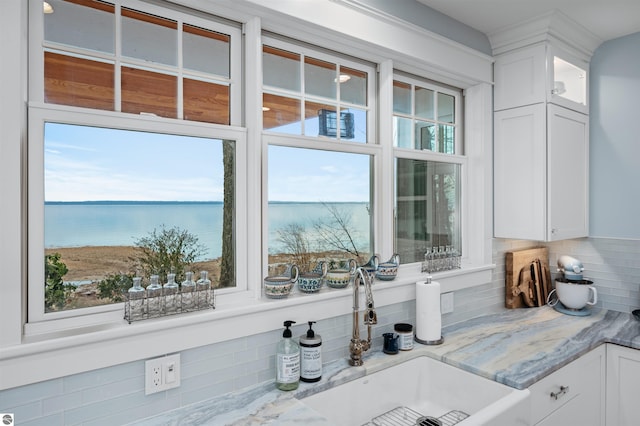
(615, 139)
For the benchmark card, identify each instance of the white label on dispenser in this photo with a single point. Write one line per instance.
(311, 363)
(289, 371)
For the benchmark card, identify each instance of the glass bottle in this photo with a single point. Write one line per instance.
(188, 293)
(136, 300)
(154, 297)
(203, 287)
(171, 296)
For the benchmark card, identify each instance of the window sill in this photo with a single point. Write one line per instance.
(237, 315)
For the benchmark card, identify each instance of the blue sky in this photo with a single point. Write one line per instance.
(90, 164)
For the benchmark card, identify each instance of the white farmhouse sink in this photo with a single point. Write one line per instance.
(424, 386)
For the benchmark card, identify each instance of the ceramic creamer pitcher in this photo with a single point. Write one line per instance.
(388, 270)
(339, 276)
(371, 267)
(279, 286)
(311, 282)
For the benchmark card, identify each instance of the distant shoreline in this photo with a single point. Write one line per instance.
(132, 202)
(125, 203)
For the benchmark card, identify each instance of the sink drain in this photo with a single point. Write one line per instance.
(405, 416)
(428, 421)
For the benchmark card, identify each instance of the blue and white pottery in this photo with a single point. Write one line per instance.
(279, 286)
(388, 270)
(311, 282)
(341, 276)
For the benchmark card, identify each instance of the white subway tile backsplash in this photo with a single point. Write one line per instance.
(59, 403)
(54, 419)
(24, 412)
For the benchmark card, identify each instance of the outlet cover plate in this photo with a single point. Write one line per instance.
(162, 373)
(446, 303)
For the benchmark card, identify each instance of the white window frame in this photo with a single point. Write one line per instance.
(39, 115)
(39, 322)
(371, 147)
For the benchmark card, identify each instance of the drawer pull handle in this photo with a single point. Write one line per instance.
(562, 391)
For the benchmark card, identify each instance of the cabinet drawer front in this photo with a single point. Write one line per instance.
(582, 380)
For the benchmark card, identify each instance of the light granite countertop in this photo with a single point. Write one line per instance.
(516, 347)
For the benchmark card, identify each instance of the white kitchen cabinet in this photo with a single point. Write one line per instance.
(541, 175)
(542, 72)
(573, 395)
(623, 373)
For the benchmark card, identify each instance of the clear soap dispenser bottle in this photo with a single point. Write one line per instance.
(287, 361)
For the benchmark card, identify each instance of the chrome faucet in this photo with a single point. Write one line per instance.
(358, 346)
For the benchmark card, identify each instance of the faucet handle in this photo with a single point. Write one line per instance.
(370, 316)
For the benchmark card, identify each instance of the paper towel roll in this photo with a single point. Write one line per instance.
(428, 318)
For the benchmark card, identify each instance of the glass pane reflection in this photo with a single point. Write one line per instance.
(427, 207)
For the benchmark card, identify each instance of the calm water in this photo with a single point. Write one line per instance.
(114, 224)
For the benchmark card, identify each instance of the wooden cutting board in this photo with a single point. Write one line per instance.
(514, 262)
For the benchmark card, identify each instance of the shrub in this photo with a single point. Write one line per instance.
(55, 292)
(168, 251)
(113, 286)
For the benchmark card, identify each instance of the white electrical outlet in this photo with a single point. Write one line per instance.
(162, 373)
(446, 302)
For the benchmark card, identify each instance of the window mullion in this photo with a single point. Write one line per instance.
(180, 76)
(384, 202)
(117, 67)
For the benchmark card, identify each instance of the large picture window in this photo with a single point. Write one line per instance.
(319, 207)
(112, 196)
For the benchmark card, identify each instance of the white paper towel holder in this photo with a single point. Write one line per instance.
(429, 342)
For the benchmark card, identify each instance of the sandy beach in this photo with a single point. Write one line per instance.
(93, 263)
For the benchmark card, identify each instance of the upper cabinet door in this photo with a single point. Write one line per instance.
(520, 77)
(567, 173)
(567, 81)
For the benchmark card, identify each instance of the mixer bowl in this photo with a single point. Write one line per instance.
(576, 294)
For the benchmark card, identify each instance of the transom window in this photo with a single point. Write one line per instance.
(112, 56)
(314, 94)
(425, 116)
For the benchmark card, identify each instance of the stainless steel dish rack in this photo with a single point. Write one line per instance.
(405, 416)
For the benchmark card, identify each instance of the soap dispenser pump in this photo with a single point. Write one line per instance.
(287, 361)
(310, 355)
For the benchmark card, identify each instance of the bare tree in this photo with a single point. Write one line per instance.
(293, 237)
(336, 231)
